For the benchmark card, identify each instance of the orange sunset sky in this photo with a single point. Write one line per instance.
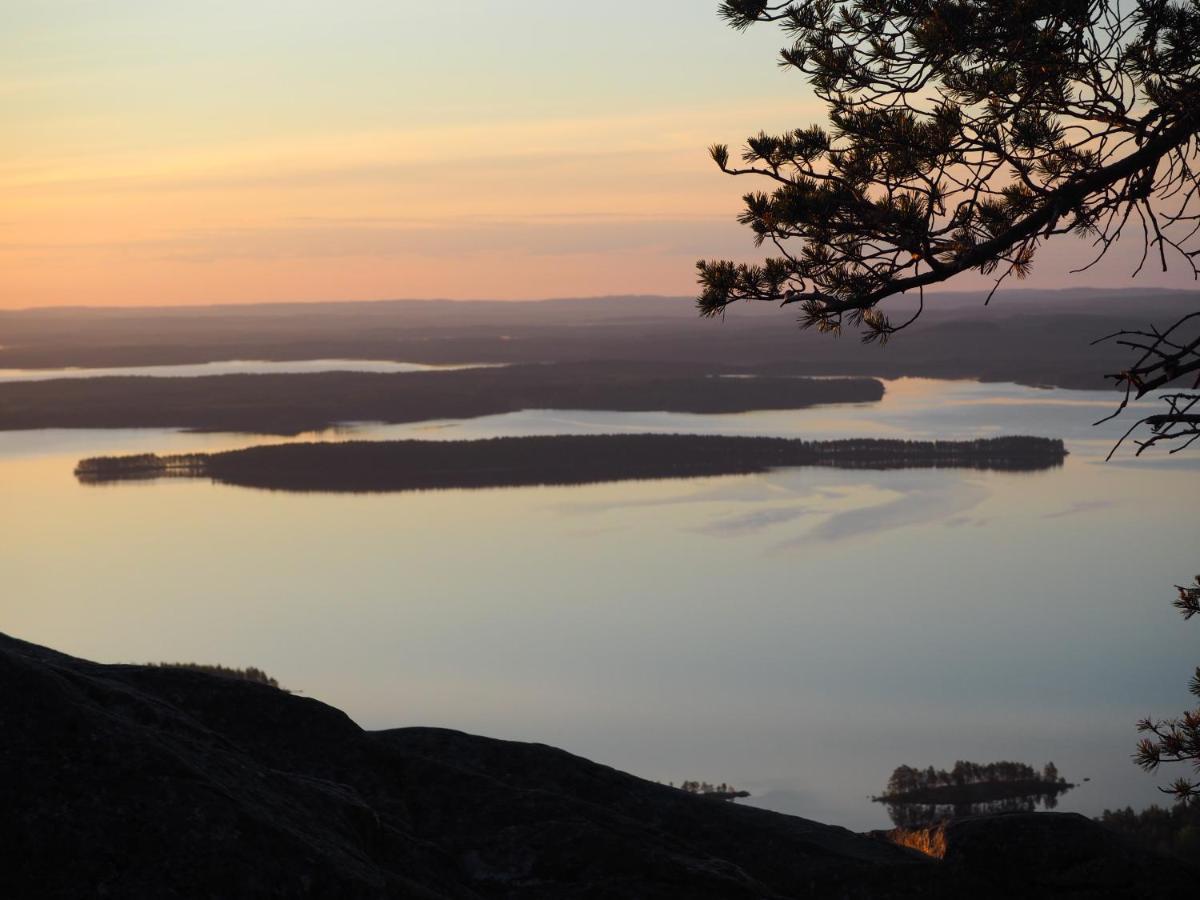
(170, 153)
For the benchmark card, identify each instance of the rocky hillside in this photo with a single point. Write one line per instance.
(132, 781)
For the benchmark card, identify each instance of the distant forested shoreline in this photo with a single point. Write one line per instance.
(294, 403)
(368, 466)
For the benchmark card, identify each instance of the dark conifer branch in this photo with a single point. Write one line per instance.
(1176, 740)
(1165, 357)
(964, 134)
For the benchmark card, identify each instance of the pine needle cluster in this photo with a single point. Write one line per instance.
(962, 135)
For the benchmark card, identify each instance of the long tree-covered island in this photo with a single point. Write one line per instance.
(561, 459)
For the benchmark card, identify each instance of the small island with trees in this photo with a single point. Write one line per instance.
(710, 791)
(970, 782)
(918, 798)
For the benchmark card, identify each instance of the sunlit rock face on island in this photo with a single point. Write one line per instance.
(558, 459)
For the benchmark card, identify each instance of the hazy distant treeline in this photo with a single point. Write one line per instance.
(1174, 831)
(559, 459)
(1032, 337)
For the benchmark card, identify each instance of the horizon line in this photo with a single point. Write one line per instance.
(75, 307)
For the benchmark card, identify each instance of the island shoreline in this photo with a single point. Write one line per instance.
(408, 465)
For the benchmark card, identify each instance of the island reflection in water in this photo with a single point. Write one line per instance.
(924, 815)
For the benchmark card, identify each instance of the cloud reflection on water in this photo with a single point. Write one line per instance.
(920, 502)
(863, 502)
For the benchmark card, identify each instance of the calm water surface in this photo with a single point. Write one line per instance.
(230, 367)
(798, 633)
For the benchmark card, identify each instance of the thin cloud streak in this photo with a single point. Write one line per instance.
(464, 238)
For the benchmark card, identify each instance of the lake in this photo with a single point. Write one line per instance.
(798, 633)
(232, 367)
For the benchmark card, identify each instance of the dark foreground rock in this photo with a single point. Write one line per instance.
(129, 781)
(1051, 853)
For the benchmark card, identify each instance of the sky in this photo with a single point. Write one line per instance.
(279, 150)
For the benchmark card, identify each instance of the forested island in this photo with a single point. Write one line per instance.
(365, 466)
(970, 782)
(293, 403)
(918, 798)
(722, 791)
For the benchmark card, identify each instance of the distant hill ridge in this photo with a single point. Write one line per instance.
(1034, 337)
(936, 298)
